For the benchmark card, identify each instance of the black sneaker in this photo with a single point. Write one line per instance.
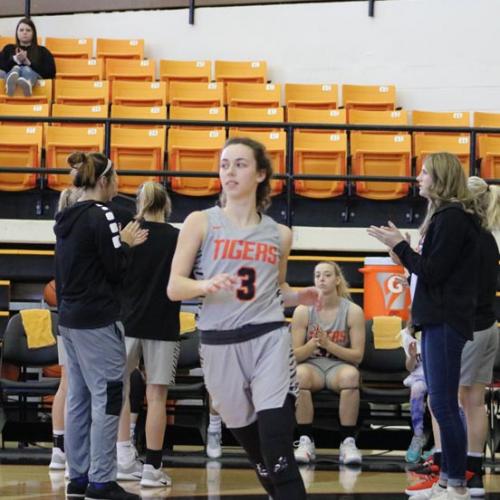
(76, 489)
(475, 484)
(112, 491)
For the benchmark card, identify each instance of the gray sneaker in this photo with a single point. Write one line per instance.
(11, 82)
(58, 460)
(129, 471)
(25, 86)
(214, 448)
(154, 478)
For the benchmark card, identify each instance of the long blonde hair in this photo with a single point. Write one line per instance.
(68, 197)
(152, 198)
(486, 202)
(449, 185)
(343, 285)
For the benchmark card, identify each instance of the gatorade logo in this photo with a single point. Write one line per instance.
(394, 298)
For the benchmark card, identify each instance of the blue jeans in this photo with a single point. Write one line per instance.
(25, 72)
(441, 355)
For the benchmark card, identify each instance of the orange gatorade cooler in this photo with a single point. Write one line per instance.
(384, 295)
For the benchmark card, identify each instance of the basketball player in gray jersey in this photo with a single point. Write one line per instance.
(239, 257)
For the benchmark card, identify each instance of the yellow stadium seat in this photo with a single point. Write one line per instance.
(119, 49)
(241, 71)
(31, 110)
(6, 40)
(195, 150)
(77, 111)
(253, 95)
(42, 94)
(72, 48)
(205, 114)
(80, 69)
(275, 143)
(81, 92)
(142, 70)
(184, 71)
(272, 115)
(486, 119)
(425, 144)
(194, 94)
(319, 154)
(137, 149)
(377, 155)
(138, 93)
(19, 147)
(323, 116)
(369, 97)
(370, 117)
(489, 153)
(440, 119)
(311, 96)
(62, 141)
(139, 112)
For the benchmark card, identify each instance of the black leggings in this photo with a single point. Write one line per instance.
(269, 445)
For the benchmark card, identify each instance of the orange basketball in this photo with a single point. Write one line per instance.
(49, 293)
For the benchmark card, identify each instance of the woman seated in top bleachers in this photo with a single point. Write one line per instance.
(25, 62)
(329, 345)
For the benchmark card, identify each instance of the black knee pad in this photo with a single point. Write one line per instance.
(114, 397)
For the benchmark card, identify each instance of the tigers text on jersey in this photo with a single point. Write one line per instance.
(253, 255)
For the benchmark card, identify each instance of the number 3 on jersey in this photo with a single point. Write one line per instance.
(247, 289)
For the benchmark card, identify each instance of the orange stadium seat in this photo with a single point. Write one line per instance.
(323, 116)
(272, 115)
(72, 48)
(82, 92)
(120, 49)
(489, 154)
(486, 120)
(194, 94)
(319, 154)
(42, 94)
(381, 154)
(139, 112)
(275, 143)
(80, 69)
(142, 70)
(184, 71)
(137, 149)
(19, 147)
(440, 119)
(6, 40)
(253, 95)
(194, 150)
(77, 111)
(370, 117)
(206, 114)
(29, 109)
(138, 93)
(311, 96)
(241, 71)
(369, 97)
(64, 140)
(425, 144)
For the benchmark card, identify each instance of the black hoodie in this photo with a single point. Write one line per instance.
(90, 265)
(447, 270)
(40, 58)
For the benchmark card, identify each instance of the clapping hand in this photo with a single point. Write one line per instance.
(389, 235)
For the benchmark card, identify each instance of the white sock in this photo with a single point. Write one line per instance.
(215, 424)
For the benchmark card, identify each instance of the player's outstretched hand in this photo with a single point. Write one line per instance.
(132, 234)
(221, 281)
(311, 296)
(389, 235)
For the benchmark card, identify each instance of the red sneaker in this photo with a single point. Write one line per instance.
(422, 487)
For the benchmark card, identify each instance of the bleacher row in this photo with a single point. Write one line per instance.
(240, 93)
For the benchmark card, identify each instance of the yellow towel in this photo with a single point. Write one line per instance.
(386, 332)
(188, 322)
(37, 324)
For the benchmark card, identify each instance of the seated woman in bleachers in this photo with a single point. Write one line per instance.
(329, 345)
(22, 64)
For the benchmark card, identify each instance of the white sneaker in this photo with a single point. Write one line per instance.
(154, 478)
(25, 86)
(454, 495)
(11, 82)
(435, 492)
(305, 451)
(349, 453)
(129, 471)
(214, 448)
(58, 460)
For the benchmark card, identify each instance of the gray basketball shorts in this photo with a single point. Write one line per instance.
(251, 376)
(160, 359)
(478, 357)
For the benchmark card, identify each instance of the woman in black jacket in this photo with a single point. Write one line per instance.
(25, 62)
(444, 302)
